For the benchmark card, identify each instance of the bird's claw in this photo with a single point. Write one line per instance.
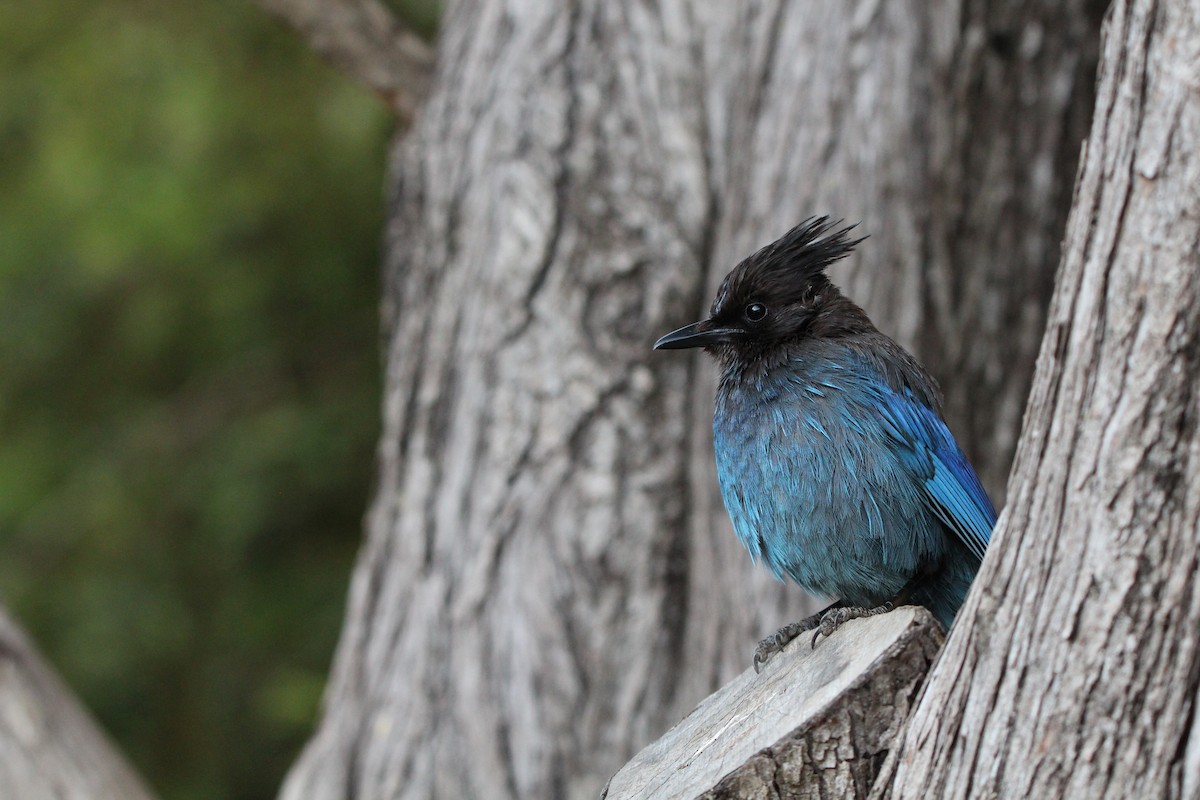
(765, 649)
(825, 623)
(831, 620)
(780, 639)
(834, 618)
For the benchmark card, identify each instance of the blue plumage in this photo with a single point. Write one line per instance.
(835, 465)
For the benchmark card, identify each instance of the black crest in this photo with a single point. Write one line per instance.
(790, 267)
(807, 248)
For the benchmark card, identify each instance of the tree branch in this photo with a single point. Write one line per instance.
(367, 41)
(50, 749)
(817, 722)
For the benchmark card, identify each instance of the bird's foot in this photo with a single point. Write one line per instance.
(777, 641)
(833, 619)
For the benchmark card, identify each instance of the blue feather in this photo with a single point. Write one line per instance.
(951, 486)
(852, 491)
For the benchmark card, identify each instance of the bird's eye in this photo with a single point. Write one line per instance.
(755, 312)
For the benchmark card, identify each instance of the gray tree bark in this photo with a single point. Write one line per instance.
(549, 580)
(817, 722)
(50, 748)
(1075, 666)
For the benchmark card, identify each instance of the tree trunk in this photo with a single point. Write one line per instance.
(50, 749)
(549, 579)
(1075, 667)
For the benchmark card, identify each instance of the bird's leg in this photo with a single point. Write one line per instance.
(833, 617)
(778, 640)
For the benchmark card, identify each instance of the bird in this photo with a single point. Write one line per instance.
(834, 461)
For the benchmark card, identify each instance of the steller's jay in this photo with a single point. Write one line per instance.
(834, 462)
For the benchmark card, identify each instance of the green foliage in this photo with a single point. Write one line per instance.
(190, 210)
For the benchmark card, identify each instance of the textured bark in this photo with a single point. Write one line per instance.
(815, 723)
(549, 580)
(50, 749)
(1074, 669)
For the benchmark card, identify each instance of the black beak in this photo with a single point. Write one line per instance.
(698, 334)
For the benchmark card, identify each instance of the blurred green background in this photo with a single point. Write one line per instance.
(190, 212)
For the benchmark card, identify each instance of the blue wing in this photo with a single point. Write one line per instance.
(949, 484)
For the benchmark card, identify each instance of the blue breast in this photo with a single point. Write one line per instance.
(836, 479)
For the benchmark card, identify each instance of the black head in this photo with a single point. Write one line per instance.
(778, 295)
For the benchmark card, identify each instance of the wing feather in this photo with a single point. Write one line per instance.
(948, 483)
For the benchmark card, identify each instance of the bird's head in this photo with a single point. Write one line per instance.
(778, 295)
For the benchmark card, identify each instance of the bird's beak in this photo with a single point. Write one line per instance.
(698, 334)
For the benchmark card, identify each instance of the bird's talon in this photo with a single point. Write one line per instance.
(764, 650)
(780, 639)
